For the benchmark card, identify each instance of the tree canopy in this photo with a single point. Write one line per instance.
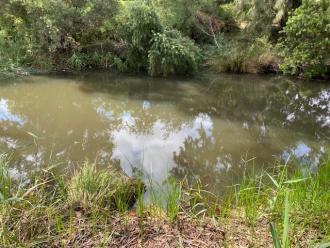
(166, 37)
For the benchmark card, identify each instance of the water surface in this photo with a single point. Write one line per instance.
(205, 128)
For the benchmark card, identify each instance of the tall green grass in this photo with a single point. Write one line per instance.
(243, 55)
(173, 198)
(46, 209)
(281, 192)
(285, 243)
(5, 180)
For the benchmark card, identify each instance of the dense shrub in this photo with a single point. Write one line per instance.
(183, 15)
(137, 26)
(227, 12)
(14, 43)
(235, 35)
(233, 55)
(171, 53)
(51, 29)
(305, 46)
(80, 61)
(263, 17)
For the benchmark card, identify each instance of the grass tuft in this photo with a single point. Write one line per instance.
(91, 187)
(5, 180)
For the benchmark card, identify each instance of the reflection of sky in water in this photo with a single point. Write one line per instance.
(17, 175)
(304, 154)
(10, 142)
(322, 101)
(146, 104)
(103, 112)
(127, 118)
(202, 121)
(6, 115)
(153, 153)
(301, 104)
(299, 151)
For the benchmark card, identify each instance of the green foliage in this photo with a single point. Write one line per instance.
(305, 46)
(140, 23)
(285, 235)
(171, 53)
(106, 188)
(234, 55)
(137, 26)
(5, 180)
(262, 16)
(150, 48)
(227, 12)
(183, 16)
(173, 198)
(47, 34)
(305, 198)
(46, 29)
(258, 14)
(79, 61)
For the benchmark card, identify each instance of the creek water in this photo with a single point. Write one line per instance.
(211, 127)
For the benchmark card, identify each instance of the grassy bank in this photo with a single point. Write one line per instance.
(103, 208)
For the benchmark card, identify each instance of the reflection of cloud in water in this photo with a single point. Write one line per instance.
(10, 142)
(153, 153)
(17, 175)
(299, 151)
(146, 104)
(127, 118)
(202, 120)
(6, 115)
(305, 155)
(103, 112)
(325, 120)
(290, 117)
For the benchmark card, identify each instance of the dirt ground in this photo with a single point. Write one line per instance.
(131, 231)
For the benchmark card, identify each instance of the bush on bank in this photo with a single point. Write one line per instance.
(305, 45)
(80, 35)
(172, 54)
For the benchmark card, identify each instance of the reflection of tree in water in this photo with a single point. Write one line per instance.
(283, 104)
(203, 159)
(208, 159)
(139, 117)
(251, 99)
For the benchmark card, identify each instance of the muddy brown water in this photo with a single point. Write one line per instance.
(211, 127)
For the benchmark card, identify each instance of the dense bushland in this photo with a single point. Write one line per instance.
(167, 37)
(305, 45)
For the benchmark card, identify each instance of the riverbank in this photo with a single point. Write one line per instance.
(140, 36)
(101, 208)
